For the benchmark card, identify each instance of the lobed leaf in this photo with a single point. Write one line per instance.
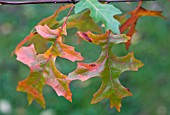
(51, 20)
(46, 32)
(108, 66)
(42, 71)
(59, 49)
(42, 66)
(83, 22)
(39, 42)
(131, 22)
(33, 86)
(41, 59)
(100, 12)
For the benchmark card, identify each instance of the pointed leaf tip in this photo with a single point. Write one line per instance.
(26, 55)
(33, 86)
(130, 24)
(101, 12)
(42, 71)
(47, 33)
(108, 66)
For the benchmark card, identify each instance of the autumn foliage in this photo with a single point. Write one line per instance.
(40, 58)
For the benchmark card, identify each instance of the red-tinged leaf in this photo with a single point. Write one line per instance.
(25, 40)
(59, 49)
(46, 32)
(88, 36)
(108, 67)
(67, 52)
(33, 86)
(50, 22)
(42, 71)
(59, 82)
(44, 66)
(27, 55)
(84, 71)
(131, 22)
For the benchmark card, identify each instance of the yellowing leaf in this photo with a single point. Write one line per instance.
(39, 42)
(108, 66)
(83, 22)
(33, 86)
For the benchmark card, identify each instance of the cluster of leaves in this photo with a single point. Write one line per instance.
(41, 59)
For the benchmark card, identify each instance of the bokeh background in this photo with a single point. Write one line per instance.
(150, 85)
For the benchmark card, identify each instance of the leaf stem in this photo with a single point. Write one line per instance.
(58, 1)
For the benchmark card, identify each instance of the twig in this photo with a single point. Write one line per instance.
(58, 1)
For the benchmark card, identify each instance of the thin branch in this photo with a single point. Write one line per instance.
(58, 1)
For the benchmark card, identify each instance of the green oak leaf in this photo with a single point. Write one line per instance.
(100, 12)
(108, 66)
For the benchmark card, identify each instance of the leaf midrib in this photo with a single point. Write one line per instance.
(107, 56)
(97, 10)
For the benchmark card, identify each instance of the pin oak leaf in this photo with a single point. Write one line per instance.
(108, 66)
(42, 66)
(100, 12)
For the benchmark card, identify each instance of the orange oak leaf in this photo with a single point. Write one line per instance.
(130, 23)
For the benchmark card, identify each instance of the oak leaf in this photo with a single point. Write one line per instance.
(131, 22)
(108, 66)
(100, 12)
(42, 71)
(39, 42)
(83, 22)
(42, 66)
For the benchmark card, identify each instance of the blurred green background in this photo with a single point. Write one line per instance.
(150, 85)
